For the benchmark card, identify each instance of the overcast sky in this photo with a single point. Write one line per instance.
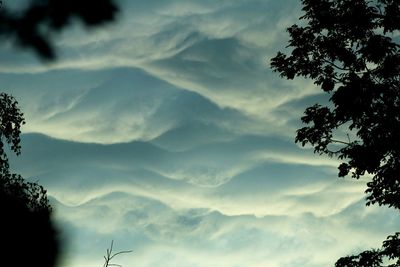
(168, 133)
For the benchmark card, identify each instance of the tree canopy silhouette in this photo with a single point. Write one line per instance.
(348, 48)
(27, 231)
(32, 27)
(28, 235)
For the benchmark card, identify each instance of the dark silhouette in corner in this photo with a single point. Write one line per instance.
(347, 48)
(32, 28)
(28, 234)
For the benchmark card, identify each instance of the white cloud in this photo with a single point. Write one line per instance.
(201, 237)
(183, 145)
(204, 49)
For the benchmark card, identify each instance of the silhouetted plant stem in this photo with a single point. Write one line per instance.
(109, 256)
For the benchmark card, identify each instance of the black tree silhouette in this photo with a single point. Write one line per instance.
(34, 26)
(28, 234)
(346, 47)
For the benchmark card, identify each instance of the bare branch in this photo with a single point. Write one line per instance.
(109, 256)
(121, 252)
(340, 142)
(334, 65)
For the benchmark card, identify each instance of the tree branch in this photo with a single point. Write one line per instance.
(109, 256)
(341, 142)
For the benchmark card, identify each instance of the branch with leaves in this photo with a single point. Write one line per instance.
(347, 47)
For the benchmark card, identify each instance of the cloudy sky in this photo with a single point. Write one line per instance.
(168, 133)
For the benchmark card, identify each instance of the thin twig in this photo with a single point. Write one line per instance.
(109, 256)
(340, 142)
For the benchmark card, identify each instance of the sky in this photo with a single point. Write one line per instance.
(168, 133)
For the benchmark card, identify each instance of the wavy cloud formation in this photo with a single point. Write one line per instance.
(179, 205)
(167, 133)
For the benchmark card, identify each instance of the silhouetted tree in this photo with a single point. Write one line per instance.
(377, 257)
(347, 48)
(27, 232)
(32, 27)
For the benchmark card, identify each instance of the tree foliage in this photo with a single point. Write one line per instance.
(350, 49)
(32, 28)
(27, 231)
(25, 208)
(390, 252)
(10, 128)
(347, 49)
(29, 193)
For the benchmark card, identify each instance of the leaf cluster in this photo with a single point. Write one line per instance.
(390, 252)
(32, 28)
(29, 194)
(11, 120)
(26, 213)
(350, 49)
(346, 47)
